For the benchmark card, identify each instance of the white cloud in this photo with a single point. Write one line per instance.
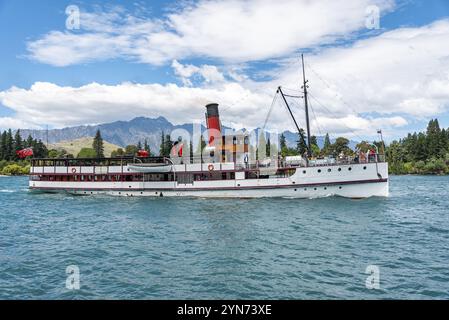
(379, 82)
(210, 74)
(233, 31)
(47, 103)
(13, 123)
(404, 71)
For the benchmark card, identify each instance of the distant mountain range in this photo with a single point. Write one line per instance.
(123, 133)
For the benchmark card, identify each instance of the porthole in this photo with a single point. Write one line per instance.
(238, 185)
(130, 186)
(91, 192)
(119, 193)
(319, 170)
(339, 187)
(304, 171)
(364, 168)
(155, 193)
(305, 189)
(325, 188)
(314, 189)
(293, 182)
(141, 193)
(349, 169)
(329, 170)
(339, 169)
(296, 190)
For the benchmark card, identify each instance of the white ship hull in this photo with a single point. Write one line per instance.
(351, 181)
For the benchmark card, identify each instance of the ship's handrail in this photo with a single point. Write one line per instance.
(123, 161)
(76, 162)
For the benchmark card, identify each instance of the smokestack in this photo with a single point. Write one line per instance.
(213, 119)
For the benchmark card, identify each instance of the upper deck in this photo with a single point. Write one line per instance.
(118, 165)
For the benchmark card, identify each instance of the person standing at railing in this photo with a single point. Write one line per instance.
(362, 157)
(372, 155)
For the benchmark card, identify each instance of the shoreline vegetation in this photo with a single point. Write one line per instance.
(422, 153)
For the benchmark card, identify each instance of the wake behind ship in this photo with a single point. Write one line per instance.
(227, 167)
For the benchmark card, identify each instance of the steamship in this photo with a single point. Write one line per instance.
(225, 168)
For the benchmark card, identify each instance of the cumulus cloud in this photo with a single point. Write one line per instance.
(47, 103)
(210, 74)
(14, 123)
(403, 71)
(231, 30)
(378, 82)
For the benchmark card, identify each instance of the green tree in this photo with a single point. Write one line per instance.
(52, 153)
(39, 149)
(301, 147)
(118, 153)
(29, 141)
(314, 145)
(341, 145)
(131, 150)
(3, 146)
(162, 145)
(18, 144)
(327, 144)
(146, 146)
(282, 142)
(268, 148)
(97, 145)
(168, 145)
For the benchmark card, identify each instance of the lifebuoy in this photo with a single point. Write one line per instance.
(73, 170)
(210, 167)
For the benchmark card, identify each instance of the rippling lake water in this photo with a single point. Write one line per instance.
(165, 248)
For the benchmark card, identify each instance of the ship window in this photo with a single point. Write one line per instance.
(305, 189)
(296, 190)
(319, 170)
(339, 169)
(304, 171)
(329, 170)
(349, 168)
(364, 168)
(339, 187)
(314, 188)
(325, 188)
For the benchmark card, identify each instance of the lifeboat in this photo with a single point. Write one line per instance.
(150, 167)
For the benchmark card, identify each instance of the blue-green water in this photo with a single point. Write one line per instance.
(249, 249)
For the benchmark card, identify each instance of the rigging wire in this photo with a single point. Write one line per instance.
(269, 111)
(316, 119)
(352, 131)
(330, 88)
(227, 107)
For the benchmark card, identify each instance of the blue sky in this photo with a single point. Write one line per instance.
(153, 58)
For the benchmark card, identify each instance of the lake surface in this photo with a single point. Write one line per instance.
(165, 248)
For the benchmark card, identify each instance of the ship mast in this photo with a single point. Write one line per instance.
(306, 104)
